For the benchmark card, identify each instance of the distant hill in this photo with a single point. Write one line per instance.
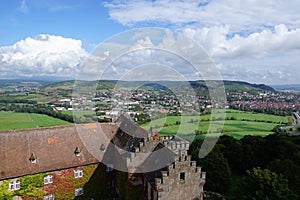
(245, 86)
(235, 86)
(22, 82)
(291, 86)
(230, 86)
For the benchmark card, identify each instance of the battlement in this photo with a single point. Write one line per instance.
(175, 144)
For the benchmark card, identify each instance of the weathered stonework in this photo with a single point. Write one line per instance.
(182, 180)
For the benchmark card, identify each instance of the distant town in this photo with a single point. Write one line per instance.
(140, 121)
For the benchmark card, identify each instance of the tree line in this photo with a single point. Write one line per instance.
(271, 111)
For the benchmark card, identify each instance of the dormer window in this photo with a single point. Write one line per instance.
(77, 151)
(32, 158)
(102, 148)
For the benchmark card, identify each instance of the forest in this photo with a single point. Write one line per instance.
(254, 167)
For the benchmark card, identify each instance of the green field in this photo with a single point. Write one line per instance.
(244, 123)
(13, 121)
(80, 113)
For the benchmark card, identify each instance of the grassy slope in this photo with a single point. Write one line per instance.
(236, 128)
(12, 121)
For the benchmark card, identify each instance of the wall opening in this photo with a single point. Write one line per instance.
(182, 176)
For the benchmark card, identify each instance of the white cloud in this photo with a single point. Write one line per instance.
(43, 55)
(139, 48)
(268, 56)
(250, 40)
(280, 69)
(259, 44)
(239, 14)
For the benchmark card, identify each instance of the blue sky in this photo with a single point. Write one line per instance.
(85, 20)
(249, 40)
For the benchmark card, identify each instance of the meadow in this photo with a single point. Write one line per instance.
(80, 113)
(13, 121)
(237, 124)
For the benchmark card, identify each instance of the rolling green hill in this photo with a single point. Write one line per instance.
(237, 124)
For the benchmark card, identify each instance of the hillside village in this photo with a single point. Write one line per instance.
(164, 102)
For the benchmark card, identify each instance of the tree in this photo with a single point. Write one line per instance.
(240, 156)
(217, 169)
(289, 170)
(277, 129)
(263, 184)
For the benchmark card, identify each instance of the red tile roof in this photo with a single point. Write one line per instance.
(52, 147)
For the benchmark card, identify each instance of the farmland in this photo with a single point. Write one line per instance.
(13, 121)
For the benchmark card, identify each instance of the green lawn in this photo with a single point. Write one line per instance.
(12, 121)
(236, 128)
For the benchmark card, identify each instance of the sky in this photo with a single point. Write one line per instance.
(248, 40)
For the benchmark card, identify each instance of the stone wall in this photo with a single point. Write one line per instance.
(182, 180)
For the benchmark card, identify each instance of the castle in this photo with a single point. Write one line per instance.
(97, 161)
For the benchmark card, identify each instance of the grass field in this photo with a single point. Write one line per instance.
(79, 113)
(13, 121)
(245, 123)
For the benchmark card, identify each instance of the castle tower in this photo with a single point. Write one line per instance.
(182, 180)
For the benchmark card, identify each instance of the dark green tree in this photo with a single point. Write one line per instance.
(289, 170)
(217, 170)
(263, 184)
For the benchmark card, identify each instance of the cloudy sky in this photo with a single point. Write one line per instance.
(248, 40)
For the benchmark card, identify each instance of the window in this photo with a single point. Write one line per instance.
(49, 197)
(14, 185)
(182, 176)
(18, 185)
(110, 184)
(48, 179)
(78, 173)
(109, 167)
(78, 191)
